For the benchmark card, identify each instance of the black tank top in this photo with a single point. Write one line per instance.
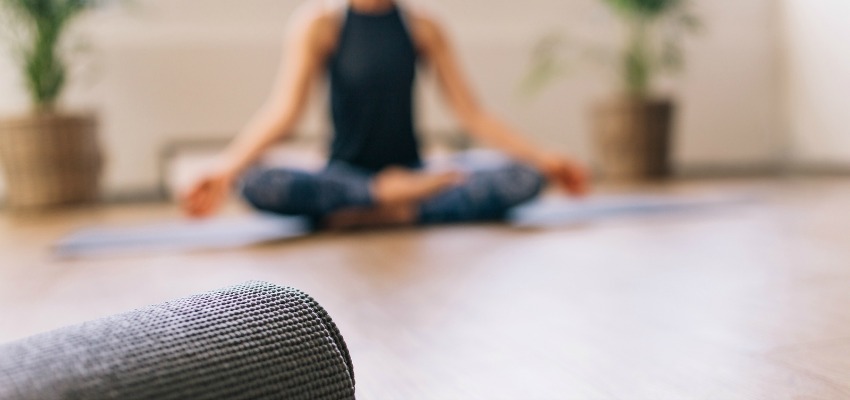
(372, 73)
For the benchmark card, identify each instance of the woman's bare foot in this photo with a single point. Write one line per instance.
(397, 193)
(384, 216)
(396, 186)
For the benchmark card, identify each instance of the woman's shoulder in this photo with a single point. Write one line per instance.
(318, 22)
(425, 25)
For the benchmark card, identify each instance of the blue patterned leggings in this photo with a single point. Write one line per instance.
(494, 185)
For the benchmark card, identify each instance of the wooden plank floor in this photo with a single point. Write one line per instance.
(744, 302)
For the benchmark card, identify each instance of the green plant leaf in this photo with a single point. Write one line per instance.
(655, 31)
(41, 25)
(647, 9)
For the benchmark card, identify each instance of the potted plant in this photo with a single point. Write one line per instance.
(631, 130)
(50, 156)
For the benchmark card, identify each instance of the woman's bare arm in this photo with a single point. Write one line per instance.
(480, 123)
(310, 41)
(307, 46)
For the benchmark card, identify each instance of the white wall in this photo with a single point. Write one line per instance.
(198, 68)
(818, 79)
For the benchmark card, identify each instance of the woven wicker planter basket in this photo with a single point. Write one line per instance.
(50, 160)
(631, 139)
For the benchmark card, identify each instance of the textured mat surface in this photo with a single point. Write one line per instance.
(252, 341)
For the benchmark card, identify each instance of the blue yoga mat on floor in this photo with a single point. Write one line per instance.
(235, 232)
(559, 211)
(183, 235)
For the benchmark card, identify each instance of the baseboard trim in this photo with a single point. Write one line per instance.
(700, 171)
(135, 196)
(140, 195)
(821, 169)
(155, 194)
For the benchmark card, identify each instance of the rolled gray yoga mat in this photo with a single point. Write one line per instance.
(251, 341)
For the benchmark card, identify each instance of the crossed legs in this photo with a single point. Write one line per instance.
(343, 196)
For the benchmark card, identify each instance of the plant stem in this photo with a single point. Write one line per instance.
(637, 64)
(45, 70)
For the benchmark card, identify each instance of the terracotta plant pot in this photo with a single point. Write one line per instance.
(632, 139)
(50, 160)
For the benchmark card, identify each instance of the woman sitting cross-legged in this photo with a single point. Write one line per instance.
(369, 50)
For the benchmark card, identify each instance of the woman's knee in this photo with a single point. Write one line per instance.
(486, 195)
(519, 183)
(274, 190)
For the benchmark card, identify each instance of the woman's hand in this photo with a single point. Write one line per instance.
(567, 173)
(207, 194)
